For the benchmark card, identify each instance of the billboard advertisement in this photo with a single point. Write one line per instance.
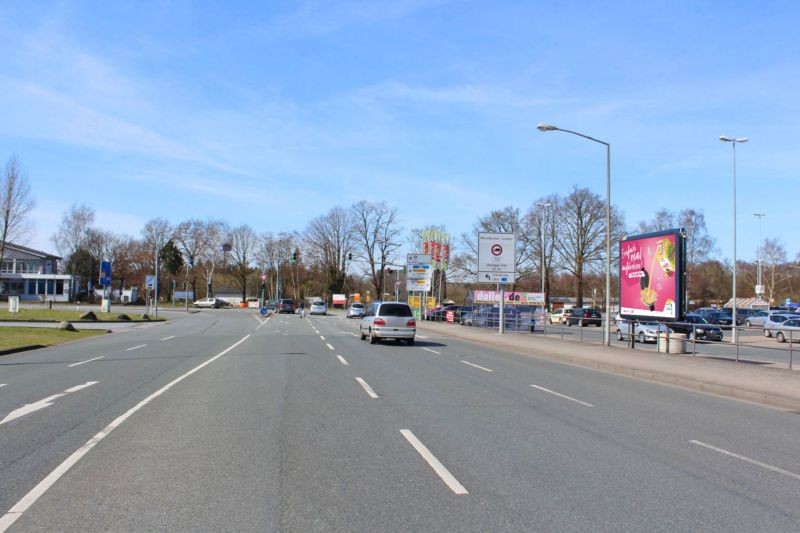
(651, 276)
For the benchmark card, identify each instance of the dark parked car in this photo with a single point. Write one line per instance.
(697, 327)
(465, 314)
(585, 316)
(440, 313)
(714, 316)
(285, 305)
(489, 317)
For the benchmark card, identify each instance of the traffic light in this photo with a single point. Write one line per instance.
(294, 257)
(350, 256)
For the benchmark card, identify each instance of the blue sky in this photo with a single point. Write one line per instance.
(271, 113)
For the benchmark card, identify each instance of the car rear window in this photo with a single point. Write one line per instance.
(360, 306)
(395, 310)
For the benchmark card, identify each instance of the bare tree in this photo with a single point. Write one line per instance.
(663, 220)
(73, 230)
(16, 204)
(773, 254)
(243, 241)
(328, 240)
(377, 233)
(210, 253)
(541, 224)
(156, 233)
(581, 241)
(193, 237)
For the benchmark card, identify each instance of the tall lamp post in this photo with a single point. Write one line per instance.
(759, 286)
(733, 141)
(607, 323)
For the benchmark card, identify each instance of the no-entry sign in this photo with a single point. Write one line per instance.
(497, 258)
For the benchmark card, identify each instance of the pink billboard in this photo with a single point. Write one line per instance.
(651, 276)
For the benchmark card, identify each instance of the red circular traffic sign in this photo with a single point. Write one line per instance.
(497, 250)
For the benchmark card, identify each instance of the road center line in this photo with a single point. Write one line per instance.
(168, 338)
(554, 393)
(747, 459)
(367, 388)
(36, 492)
(329, 346)
(432, 351)
(136, 347)
(437, 466)
(87, 361)
(341, 360)
(41, 404)
(477, 366)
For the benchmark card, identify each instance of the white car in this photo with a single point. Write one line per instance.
(774, 322)
(210, 303)
(318, 308)
(388, 320)
(789, 331)
(356, 309)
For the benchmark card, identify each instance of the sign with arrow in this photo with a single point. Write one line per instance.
(497, 257)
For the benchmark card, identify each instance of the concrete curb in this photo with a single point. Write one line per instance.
(773, 387)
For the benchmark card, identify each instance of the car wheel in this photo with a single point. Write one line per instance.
(361, 331)
(767, 333)
(747, 323)
(372, 338)
(641, 337)
(619, 335)
(410, 342)
(779, 337)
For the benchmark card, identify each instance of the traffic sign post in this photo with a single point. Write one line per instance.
(497, 258)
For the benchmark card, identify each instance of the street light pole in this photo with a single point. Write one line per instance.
(733, 141)
(759, 286)
(607, 323)
(541, 244)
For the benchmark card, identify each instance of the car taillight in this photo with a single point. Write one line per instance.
(411, 323)
(379, 322)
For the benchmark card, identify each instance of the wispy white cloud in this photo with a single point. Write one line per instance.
(466, 94)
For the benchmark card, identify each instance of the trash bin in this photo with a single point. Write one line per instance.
(676, 344)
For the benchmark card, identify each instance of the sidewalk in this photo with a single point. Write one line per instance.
(775, 387)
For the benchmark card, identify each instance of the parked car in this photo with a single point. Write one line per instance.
(775, 320)
(440, 314)
(559, 316)
(642, 331)
(356, 309)
(585, 316)
(696, 327)
(789, 331)
(285, 305)
(742, 314)
(464, 313)
(714, 316)
(318, 307)
(209, 303)
(758, 318)
(489, 317)
(388, 320)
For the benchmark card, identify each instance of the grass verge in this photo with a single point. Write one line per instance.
(17, 337)
(57, 315)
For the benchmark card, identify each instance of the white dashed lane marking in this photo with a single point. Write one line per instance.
(87, 361)
(570, 398)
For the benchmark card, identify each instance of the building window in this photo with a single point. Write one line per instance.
(8, 267)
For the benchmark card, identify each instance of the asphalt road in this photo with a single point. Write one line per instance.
(297, 425)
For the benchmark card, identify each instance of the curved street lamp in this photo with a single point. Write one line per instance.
(607, 327)
(733, 141)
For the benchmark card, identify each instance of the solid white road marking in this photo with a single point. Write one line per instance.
(36, 492)
(136, 347)
(41, 404)
(432, 351)
(438, 467)
(554, 393)
(422, 336)
(87, 361)
(321, 337)
(747, 459)
(329, 346)
(168, 338)
(341, 359)
(3, 384)
(477, 366)
(367, 388)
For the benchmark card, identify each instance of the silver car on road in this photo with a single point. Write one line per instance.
(388, 320)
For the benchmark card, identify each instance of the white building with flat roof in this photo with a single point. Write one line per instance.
(33, 276)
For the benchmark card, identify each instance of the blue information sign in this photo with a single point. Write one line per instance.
(263, 311)
(105, 273)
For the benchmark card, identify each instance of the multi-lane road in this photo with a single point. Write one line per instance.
(226, 421)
